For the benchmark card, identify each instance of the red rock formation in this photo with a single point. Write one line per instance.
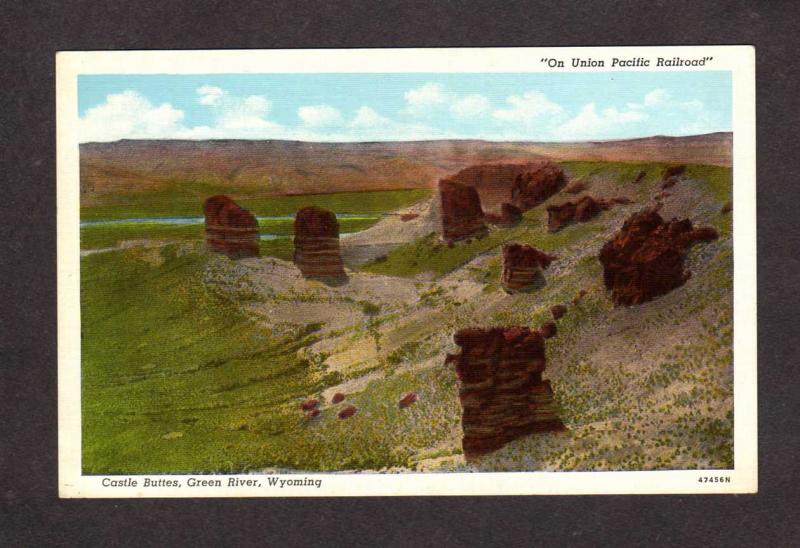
(309, 404)
(522, 264)
(548, 330)
(462, 215)
(313, 413)
(316, 244)
(535, 186)
(230, 229)
(338, 397)
(347, 412)
(581, 211)
(502, 393)
(509, 216)
(671, 176)
(645, 258)
(576, 187)
(407, 400)
(558, 311)
(405, 217)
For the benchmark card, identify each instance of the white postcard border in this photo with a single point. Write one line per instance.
(740, 60)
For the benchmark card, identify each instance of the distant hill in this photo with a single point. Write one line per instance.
(121, 170)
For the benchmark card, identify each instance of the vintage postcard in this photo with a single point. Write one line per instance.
(407, 272)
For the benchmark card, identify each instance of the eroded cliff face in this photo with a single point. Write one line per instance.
(462, 215)
(502, 394)
(229, 228)
(535, 186)
(558, 216)
(522, 266)
(316, 244)
(645, 259)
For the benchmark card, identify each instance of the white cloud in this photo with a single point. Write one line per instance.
(366, 118)
(531, 107)
(425, 98)
(129, 115)
(319, 115)
(367, 124)
(244, 113)
(656, 97)
(470, 106)
(209, 95)
(234, 117)
(591, 124)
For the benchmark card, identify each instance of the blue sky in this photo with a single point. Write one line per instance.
(388, 107)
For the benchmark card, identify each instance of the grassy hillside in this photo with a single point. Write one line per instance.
(186, 200)
(193, 362)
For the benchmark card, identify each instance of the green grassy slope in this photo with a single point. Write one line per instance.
(176, 379)
(186, 200)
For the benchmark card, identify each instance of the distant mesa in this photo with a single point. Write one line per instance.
(229, 228)
(502, 394)
(522, 266)
(671, 176)
(316, 244)
(462, 215)
(558, 216)
(645, 259)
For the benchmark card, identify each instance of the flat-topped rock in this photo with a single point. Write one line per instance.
(502, 394)
(316, 244)
(462, 215)
(229, 228)
(522, 266)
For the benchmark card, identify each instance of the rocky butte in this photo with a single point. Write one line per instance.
(558, 216)
(646, 257)
(229, 228)
(522, 266)
(462, 215)
(536, 185)
(503, 396)
(316, 244)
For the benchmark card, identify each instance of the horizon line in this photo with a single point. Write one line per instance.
(388, 141)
